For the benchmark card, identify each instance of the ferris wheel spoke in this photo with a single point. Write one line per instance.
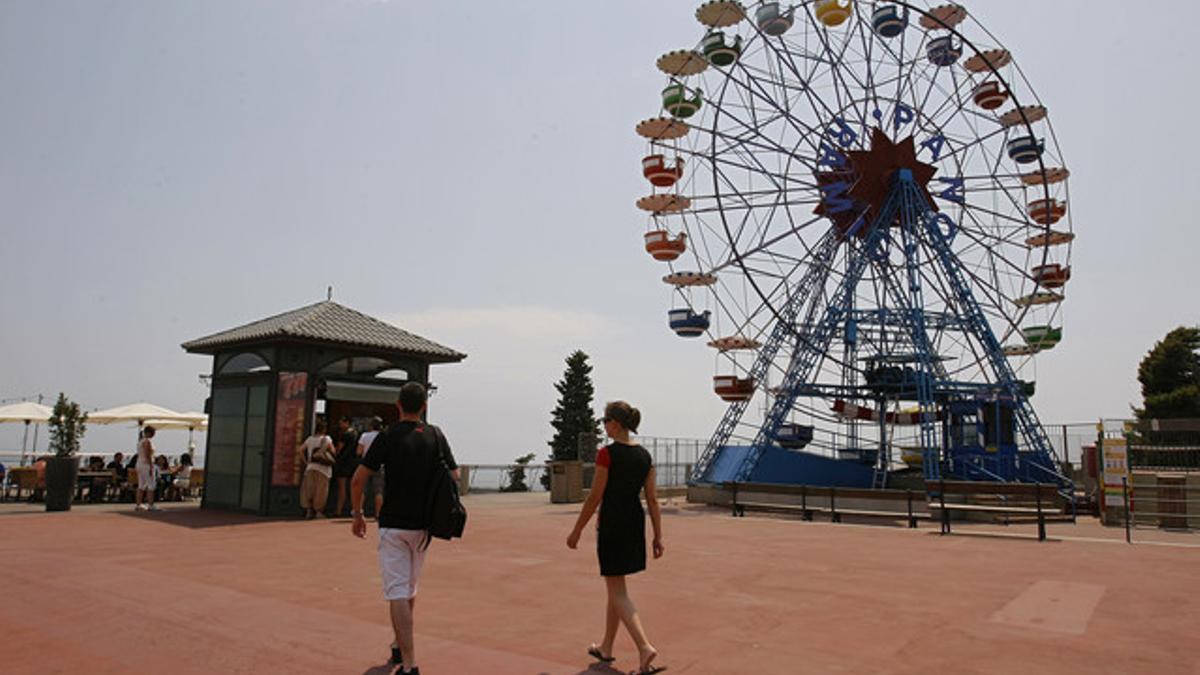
(751, 138)
(758, 93)
(785, 57)
(766, 244)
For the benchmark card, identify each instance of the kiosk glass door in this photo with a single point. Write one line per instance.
(237, 441)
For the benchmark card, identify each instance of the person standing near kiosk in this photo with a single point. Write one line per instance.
(347, 461)
(145, 471)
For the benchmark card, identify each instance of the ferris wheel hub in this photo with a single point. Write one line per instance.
(867, 178)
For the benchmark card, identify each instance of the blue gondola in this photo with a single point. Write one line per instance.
(687, 323)
(771, 20)
(1025, 149)
(942, 51)
(794, 436)
(888, 21)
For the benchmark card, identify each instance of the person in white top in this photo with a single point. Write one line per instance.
(318, 469)
(145, 472)
(375, 482)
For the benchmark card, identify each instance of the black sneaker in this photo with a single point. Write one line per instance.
(397, 657)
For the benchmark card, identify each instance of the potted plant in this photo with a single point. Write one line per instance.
(67, 425)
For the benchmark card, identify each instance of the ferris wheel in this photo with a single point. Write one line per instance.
(863, 207)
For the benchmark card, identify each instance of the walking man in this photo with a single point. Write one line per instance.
(145, 472)
(411, 451)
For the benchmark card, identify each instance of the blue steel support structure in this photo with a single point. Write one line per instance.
(813, 278)
(918, 223)
(1039, 458)
(812, 343)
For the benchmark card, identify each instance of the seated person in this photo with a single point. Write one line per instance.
(162, 476)
(96, 485)
(117, 466)
(183, 477)
(39, 490)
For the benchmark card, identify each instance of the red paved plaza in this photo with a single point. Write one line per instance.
(184, 591)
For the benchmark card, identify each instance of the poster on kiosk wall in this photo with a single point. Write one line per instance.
(1115, 468)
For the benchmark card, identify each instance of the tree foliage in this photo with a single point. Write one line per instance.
(67, 426)
(572, 415)
(1170, 376)
(516, 474)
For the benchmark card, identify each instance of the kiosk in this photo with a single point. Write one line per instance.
(273, 378)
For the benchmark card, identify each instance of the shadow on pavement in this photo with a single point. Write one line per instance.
(198, 519)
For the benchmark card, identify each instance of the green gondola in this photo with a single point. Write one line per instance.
(675, 101)
(718, 52)
(1042, 337)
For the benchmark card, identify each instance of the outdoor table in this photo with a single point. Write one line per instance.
(90, 479)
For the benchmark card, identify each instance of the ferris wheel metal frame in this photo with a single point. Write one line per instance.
(881, 218)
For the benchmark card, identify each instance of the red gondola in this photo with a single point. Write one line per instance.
(989, 95)
(733, 388)
(661, 246)
(655, 169)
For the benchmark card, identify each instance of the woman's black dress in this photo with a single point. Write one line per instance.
(621, 536)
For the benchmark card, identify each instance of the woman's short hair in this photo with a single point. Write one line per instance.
(624, 414)
(321, 426)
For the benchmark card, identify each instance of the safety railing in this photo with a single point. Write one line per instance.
(529, 478)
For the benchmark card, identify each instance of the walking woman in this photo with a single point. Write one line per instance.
(623, 470)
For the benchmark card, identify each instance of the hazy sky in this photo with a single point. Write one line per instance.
(468, 171)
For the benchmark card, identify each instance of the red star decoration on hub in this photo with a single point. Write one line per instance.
(870, 174)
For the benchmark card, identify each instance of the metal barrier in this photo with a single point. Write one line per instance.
(1162, 499)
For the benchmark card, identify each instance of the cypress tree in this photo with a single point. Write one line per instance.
(572, 415)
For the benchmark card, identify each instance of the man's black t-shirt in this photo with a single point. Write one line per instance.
(410, 452)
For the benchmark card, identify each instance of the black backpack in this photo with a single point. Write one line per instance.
(446, 515)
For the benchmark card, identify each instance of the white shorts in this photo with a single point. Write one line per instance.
(401, 556)
(145, 473)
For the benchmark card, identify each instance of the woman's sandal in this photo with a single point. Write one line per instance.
(594, 652)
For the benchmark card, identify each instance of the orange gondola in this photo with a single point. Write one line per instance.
(1047, 211)
(1052, 275)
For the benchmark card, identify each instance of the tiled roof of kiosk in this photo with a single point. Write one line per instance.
(327, 322)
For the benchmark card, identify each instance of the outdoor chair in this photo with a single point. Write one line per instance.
(195, 486)
(130, 485)
(23, 479)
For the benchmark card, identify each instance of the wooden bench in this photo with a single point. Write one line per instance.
(814, 499)
(1043, 495)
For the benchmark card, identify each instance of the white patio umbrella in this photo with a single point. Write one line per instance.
(134, 412)
(192, 421)
(26, 412)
